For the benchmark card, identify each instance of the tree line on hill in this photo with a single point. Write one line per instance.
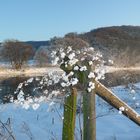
(118, 43)
(121, 44)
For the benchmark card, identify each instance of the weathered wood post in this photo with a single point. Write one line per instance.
(89, 110)
(68, 132)
(89, 115)
(69, 115)
(116, 102)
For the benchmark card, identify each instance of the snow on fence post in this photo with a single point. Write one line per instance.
(89, 110)
(68, 132)
(116, 102)
(81, 68)
(69, 115)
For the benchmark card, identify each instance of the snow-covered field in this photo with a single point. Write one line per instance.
(45, 123)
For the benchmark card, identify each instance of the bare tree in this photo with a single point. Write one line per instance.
(16, 52)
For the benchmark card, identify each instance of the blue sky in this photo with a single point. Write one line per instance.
(44, 19)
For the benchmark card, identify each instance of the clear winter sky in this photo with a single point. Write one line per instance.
(44, 19)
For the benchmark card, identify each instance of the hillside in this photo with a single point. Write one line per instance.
(37, 44)
(119, 43)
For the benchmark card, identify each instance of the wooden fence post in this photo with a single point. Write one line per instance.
(69, 116)
(89, 112)
(116, 102)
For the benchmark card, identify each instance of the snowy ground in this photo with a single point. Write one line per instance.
(45, 123)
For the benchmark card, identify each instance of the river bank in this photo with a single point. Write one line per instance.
(29, 71)
(40, 71)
